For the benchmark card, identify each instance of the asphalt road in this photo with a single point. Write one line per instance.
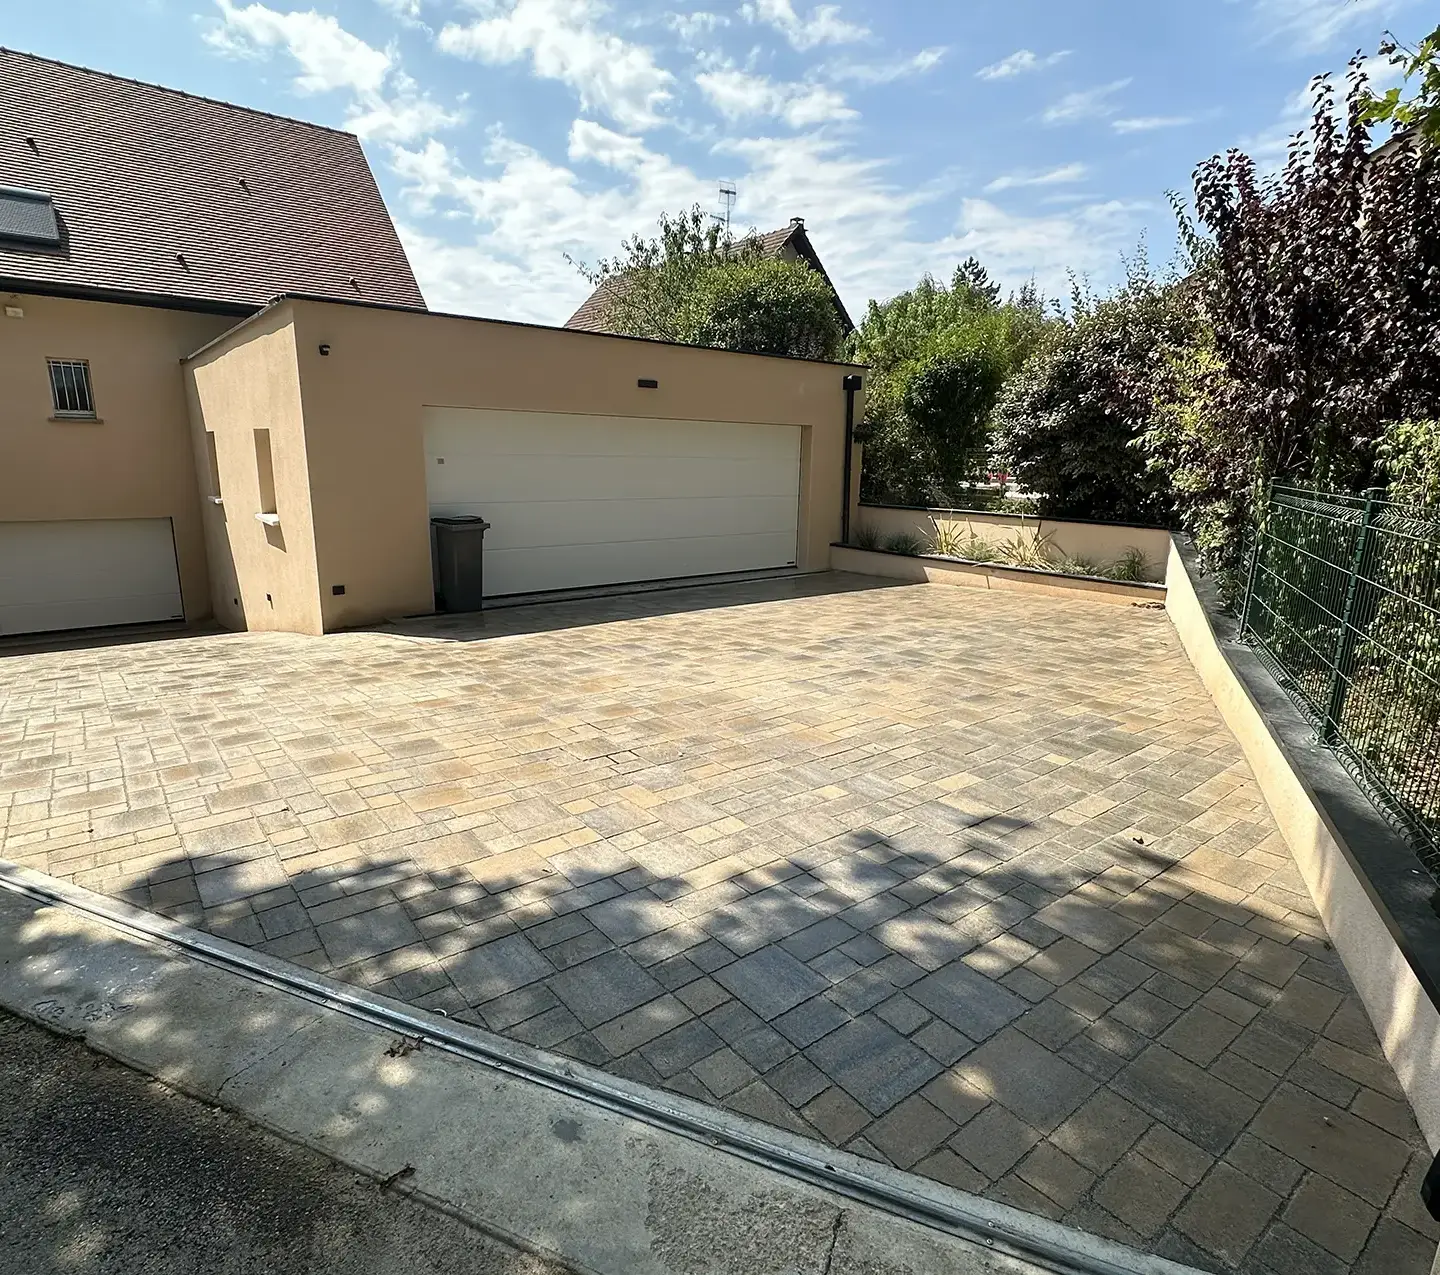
(103, 1172)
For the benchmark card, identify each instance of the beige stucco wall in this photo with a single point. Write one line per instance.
(136, 460)
(363, 432)
(1100, 542)
(1406, 1020)
(263, 577)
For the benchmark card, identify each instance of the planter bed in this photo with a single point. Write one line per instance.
(935, 569)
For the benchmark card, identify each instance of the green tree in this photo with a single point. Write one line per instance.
(1068, 424)
(763, 307)
(1322, 324)
(938, 356)
(1422, 66)
(1410, 460)
(696, 285)
(1214, 472)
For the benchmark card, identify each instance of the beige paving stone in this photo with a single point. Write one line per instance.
(1336, 1220)
(655, 787)
(1227, 1213)
(1052, 1172)
(1140, 1194)
(1349, 1151)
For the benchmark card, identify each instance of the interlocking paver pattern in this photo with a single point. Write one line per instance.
(973, 883)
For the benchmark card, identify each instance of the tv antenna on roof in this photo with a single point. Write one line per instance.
(727, 201)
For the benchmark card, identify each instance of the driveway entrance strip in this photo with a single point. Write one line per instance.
(972, 883)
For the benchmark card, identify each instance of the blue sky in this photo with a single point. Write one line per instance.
(1039, 135)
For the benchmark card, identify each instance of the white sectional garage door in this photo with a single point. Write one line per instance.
(80, 575)
(576, 501)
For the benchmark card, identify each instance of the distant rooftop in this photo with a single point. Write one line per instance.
(788, 243)
(161, 193)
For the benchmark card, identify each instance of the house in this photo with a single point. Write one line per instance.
(790, 243)
(222, 395)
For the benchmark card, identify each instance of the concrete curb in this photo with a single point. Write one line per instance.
(516, 1144)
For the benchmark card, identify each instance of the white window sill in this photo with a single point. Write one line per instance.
(81, 417)
(270, 520)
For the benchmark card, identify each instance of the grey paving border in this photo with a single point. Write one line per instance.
(522, 1145)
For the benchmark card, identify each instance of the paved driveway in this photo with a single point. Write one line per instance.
(973, 883)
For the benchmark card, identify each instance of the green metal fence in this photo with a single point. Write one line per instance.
(1343, 604)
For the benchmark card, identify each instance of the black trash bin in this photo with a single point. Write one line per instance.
(459, 544)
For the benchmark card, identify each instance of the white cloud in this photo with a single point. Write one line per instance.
(1150, 123)
(1018, 63)
(693, 28)
(737, 95)
(887, 72)
(1312, 25)
(823, 25)
(1087, 240)
(511, 221)
(407, 11)
(1084, 105)
(471, 278)
(402, 115)
(329, 56)
(386, 105)
(1050, 177)
(859, 218)
(563, 41)
(487, 232)
(511, 224)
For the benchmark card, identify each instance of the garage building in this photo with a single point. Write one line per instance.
(222, 395)
(596, 460)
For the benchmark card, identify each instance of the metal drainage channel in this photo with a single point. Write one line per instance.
(517, 1061)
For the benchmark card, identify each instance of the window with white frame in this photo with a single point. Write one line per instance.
(70, 387)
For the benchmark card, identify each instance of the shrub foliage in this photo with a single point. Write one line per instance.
(938, 355)
(1067, 425)
(695, 285)
(1319, 288)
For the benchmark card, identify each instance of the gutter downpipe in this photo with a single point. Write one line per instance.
(851, 385)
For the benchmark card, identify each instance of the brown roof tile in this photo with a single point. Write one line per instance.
(594, 314)
(163, 193)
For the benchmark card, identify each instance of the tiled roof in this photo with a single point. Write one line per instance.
(165, 194)
(594, 314)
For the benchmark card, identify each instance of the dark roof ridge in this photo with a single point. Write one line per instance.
(165, 88)
(357, 303)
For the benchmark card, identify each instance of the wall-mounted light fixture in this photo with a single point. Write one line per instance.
(645, 383)
(324, 349)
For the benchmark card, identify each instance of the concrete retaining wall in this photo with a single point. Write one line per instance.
(1362, 925)
(1101, 542)
(976, 575)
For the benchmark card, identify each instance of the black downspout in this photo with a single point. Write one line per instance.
(851, 384)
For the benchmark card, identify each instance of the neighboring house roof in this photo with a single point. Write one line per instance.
(790, 243)
(165, 195)
(594, 314)
(1398, 143)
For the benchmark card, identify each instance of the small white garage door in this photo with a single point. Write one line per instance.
(576, 501)
(80, 575)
